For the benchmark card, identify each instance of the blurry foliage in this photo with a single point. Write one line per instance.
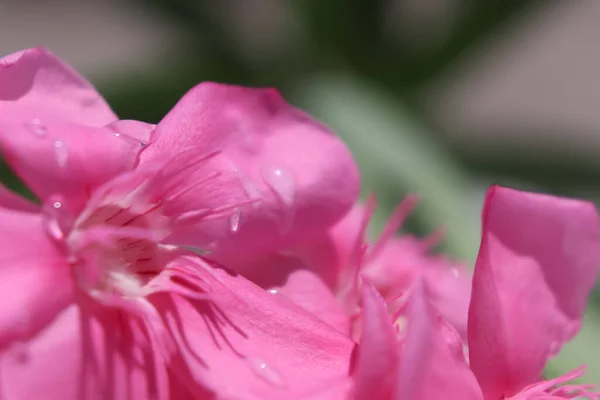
(347, 71)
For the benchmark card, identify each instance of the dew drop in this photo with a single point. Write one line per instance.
(53, 229)
(282, 183)
(252, 191)
(61, 153)
(36, 128)
(273, 291)
(266, 372)
(283, 186)
(234, 220)
(57, 219)
(117, 134)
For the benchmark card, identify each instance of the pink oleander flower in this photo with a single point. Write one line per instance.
(103, 302)
(537, 264)
(322, 274)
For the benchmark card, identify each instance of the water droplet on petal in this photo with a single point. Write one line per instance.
(57, 219)
(54, 230)
(61, 153)
(282, 183)
(36, 128)
(283, 186)
(234, 220)
(266, 372)
(273, 291)
(252, 191)
(133, 142)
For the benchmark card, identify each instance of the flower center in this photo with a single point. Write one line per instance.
(111, 247)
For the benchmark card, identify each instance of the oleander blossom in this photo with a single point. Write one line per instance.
(391, 263)
(537, 264)
(221, 254)
(99, 277)
(322, 274)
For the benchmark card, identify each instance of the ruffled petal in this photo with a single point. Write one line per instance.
(433, 365)
(36, 79)
(35, 281)
(301, 175)
(246, 343)
(378, 355)
(537, 263)
(55, 156)
(87, 355)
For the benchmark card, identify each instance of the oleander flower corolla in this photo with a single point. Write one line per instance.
(220, 254)
(101, 300)
(322, 275)
(537, 264)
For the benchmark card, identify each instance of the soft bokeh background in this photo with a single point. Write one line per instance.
(437, 97)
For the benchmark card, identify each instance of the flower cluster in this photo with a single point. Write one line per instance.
(221, 254)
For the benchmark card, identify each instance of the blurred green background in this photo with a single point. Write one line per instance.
(436, 97)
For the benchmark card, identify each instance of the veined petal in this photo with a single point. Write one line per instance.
(245, 343)
(52, 155)
(287, 276)
(537, 263)
(35, 281)
(432, 364)
(38, 80)
(303, 176)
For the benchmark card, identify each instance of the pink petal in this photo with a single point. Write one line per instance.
(287, 276)
(38, 80)
(246, 343)
(83, 355)
(52, 155)
(432, 365)
(537, 263)
(403, 260)
(450, 292)
(303, 176)
(378, 354)
(35, 282)
(330, 252)
(9, 199)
